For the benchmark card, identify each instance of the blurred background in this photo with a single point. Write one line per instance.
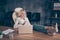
(40, 12)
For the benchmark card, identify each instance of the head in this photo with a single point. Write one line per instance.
(50, 30)
(20, 11)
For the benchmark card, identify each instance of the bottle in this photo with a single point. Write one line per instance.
(56, 27)
(1, 34)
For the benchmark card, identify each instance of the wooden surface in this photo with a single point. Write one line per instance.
(34, 36)
(37, 36)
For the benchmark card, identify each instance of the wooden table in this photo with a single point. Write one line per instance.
(34, 36)
(2, 28)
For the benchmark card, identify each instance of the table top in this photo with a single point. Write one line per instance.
(2, 28)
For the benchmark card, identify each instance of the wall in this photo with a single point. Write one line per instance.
(40, 6)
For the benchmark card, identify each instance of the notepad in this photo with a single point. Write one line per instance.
(7, 31)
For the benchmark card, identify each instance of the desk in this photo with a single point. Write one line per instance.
(5, 30)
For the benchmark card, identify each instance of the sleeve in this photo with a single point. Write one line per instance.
(27, 20)
(16, 23)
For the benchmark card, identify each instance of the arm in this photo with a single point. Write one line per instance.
(16, 27)
(16, 23)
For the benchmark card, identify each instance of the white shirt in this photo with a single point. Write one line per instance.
(20, 21)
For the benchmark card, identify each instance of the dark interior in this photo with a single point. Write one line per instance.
(8, 20)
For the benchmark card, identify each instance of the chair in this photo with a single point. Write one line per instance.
(26, 28)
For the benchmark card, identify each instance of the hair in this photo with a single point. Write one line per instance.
(15, 15)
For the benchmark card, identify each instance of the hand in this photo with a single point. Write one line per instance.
(16, 30)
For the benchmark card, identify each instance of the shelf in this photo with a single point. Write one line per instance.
(54, 18)
(56, 1)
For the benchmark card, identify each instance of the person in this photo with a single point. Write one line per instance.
(50, 30)
(20, 18)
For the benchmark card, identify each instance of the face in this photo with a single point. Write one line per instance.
(24, 13)
(21, 13)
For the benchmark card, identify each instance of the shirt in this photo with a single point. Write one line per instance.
(20, 21)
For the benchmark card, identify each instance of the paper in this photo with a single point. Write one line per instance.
(7, 31)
